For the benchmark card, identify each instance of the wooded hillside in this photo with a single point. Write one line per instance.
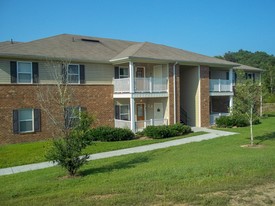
(260, 60)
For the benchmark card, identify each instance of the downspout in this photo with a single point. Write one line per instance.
(175, 97)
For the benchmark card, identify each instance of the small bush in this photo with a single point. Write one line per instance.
(270, 98)
(108, 134)
(225, 121)
(163, 131)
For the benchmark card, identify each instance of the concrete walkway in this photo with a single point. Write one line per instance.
(211, 135)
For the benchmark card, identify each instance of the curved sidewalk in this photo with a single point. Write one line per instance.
(210, 135)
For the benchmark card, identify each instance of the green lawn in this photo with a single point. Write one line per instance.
(26, 153)
(204, 173)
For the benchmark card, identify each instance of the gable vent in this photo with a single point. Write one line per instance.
(90, 40)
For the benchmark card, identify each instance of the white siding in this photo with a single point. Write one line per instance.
(99, 73)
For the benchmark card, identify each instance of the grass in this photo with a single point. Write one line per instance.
(203, 173)
(27, 153)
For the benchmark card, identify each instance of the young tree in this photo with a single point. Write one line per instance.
(67, 120)
(67, 152)
(247, 100)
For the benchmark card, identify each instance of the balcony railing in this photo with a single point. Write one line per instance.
(220, 85)
(122, 123)
(140, 125)
(142, 85)
(214, 116)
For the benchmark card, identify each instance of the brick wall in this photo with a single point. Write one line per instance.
(98, 99)
(171, 94)
(204, 84)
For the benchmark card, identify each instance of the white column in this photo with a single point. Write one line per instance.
(132, 112)
(132, 77)
(132, 100)
(231, 104)
(231, 79)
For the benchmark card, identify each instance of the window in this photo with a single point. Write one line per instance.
(123, 72)
(250, 76)
(73, 73)
(26, 120)
(24, 72)
(72, 115)
(122, 112)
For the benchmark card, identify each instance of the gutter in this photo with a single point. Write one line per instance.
(175, 97)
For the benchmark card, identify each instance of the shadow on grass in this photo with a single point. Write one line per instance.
(115, 166)
(265, 137)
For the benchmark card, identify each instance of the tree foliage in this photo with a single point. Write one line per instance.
(247, 100)
(258, 59)
(67, 151)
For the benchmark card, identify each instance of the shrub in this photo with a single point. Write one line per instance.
(236, 120)
(225, 121)
(163, 131)
(240, 120)
(108, 134)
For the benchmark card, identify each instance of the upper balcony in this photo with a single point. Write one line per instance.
(220, 85)
(221, 82)
(141, 85)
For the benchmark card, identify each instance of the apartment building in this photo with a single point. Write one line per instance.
(122, 83)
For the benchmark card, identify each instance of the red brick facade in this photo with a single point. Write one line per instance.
(171, 94)
(204, 96)
(98, 99)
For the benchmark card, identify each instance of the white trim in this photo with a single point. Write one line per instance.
(132, 114)
(17, 72)
(78, 66)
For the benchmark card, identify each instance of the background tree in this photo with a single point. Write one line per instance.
(247, 99)
(260, 60)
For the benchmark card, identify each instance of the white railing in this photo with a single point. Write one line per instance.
(122, 123)
(220, 85)
(148, 85)
(214, 116)
(122, 85)
(140, 125)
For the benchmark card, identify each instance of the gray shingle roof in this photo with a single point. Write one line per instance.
(67, 46)
(162, 52)
(248, 68)
(94, 49)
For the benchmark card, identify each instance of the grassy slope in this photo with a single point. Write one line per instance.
(174, 175)
(26, 153)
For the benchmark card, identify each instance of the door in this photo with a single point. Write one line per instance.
(158, 114)
(140, 81)
(158, 81)
(140, 72)
(140, 112)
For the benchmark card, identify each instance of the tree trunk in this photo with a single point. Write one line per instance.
(251, 129)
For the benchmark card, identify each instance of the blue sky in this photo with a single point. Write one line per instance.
(210, 27)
